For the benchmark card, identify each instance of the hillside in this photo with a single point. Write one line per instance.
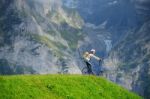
(61, 87)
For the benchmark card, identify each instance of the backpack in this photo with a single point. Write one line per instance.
(85, 55)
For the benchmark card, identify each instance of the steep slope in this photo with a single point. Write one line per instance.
(61, 87)
(38, 37)
(129, 59)
(118, 16)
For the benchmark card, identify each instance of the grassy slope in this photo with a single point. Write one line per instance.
(61, 87)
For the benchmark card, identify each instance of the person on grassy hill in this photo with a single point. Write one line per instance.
(87, 57)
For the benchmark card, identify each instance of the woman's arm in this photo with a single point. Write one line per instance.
(97, 58)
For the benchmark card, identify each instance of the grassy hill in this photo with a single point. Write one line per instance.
(61, 87)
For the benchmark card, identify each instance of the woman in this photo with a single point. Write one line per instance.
(87, 57)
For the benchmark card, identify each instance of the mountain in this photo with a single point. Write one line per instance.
(130, 57)
(35, 37)
(65, 86)
(130, 61)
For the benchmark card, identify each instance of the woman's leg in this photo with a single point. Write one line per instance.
(89, 68)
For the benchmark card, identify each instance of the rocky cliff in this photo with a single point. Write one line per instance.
(129, 59)
(38, 37)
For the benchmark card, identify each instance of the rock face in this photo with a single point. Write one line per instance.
(130, 61)
(36, 38)
(129, 58)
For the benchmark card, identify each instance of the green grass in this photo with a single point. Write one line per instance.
(61, 87)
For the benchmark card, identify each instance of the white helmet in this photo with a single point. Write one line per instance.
(92, 50)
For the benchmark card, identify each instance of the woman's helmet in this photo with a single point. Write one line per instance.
(93, 50)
